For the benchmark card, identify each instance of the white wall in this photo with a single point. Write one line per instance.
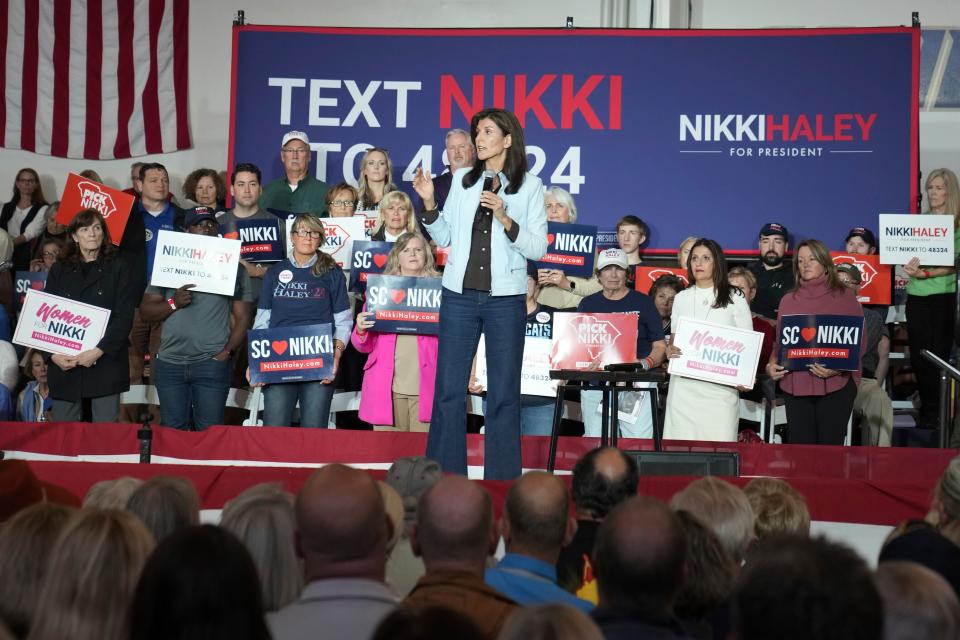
(210, 25)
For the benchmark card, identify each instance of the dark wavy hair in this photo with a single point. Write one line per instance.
(724, 290)
(190, 184)
(515, 167)
(85, 218)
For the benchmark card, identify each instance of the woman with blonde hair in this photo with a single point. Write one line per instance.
(376, 171)
(91, 576)
(398, 380)
(262, 519)
(396, 217)
(306, 288)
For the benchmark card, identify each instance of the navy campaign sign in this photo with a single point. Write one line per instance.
(369, 258)
(290, 354)
(404, 304)
(23, 281)
(260, 240)
(570, 248)
(831, 341)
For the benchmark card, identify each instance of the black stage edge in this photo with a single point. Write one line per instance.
(686, 463)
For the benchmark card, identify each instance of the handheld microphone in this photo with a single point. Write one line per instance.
(488, 177)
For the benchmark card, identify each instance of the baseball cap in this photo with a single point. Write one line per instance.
(774, 229)
(295, 135)
(198, 215)
(612, 257)
(864, 233)
(851, 269)
(411, 477)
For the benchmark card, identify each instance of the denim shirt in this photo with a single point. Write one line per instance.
(508, 260)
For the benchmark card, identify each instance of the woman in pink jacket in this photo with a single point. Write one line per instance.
(397, 390)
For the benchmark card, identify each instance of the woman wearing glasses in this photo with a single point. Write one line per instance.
(306, 288)
(341, 201)
(23, 217)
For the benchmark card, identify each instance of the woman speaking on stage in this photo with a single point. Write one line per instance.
(493, 221)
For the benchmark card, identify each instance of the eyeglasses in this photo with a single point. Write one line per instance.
(51, 254)
(298, 151)
(27, 180)
(304, 233)
(342, 203)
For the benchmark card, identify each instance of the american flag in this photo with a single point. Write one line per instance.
(95, 79)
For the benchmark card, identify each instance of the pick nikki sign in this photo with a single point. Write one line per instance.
(260, 240)
(290, 354)
(82, 193)
(593, 340)
(570, 248)
(829, 340)
(646, 276)
(369, 258)
(404, 304)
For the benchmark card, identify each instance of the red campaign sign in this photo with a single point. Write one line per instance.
(593, 340)
(877, 278)
(647, 275)
(82, 193)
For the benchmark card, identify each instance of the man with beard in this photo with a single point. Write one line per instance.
(773, 273)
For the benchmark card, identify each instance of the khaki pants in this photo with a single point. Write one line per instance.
(406, 415)
(873, 404)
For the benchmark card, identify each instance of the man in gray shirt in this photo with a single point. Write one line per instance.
(192, 370)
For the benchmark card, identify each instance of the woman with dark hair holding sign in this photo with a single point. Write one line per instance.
(819, 400)
(90, 271)
(697, 409)
(493, 221)
(307, 288)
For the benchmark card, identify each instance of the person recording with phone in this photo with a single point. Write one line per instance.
(493, 221)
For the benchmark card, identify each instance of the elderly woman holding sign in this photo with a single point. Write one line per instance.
(697, 409)
(558, 290)
(307, 288)
(397, 392)
(819, 400)
(90, 271)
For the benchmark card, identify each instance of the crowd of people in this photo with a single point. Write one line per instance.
(490, 215)
(418, 556)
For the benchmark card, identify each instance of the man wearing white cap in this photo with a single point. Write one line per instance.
(617, 297)
(298, 192)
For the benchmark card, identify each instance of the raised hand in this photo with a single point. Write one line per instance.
(423, 185)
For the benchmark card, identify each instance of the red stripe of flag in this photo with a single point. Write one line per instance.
(125, 78)
(94, 95)
(151, 101)
(60, 136)
(181, 39)
(4, 24)
(28, 97)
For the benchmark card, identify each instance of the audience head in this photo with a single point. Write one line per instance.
(924, 546)
(710, 572)
(707, 265)
(50, 252)
(342, 526)
(83, 227)
(777, 508)
(550, 622)
(111, 494)
(262, 519)
(460, 150)
(743, 279)
(632, 233)
(375, 168)
(165, 504)
(199, 583)
(90, 174)
(943, 192)
(410, 255)
(811, 261)
(773, 244)
(536, 516)
(602, 479)
(428, 623)
(54, 228)
(455, 528)
(663, 290)
(341, 200)
(34, 367)
(683, 252)
(135, 175)
(295, 154)
(28, 185)
(396, 213)
(559, 205)
(724, 508)
(154, 183)
(205, 187)
(96, 563)
(393, 504)
(412, 477)
(26, 541)
(639, 557)
(917, 603)
(861, 241)
(246, 185)
(946, 501)
(20, 488)
(796, 588)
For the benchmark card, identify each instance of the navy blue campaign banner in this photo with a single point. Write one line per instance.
(832, 341)
(369, 258)
(261, 240)
(404, 304)
(708, 133)
(570, 248)
(290, 354)
(23, 281)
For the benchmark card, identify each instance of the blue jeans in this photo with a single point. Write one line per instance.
(536, 415)
(280, 399)
(463, 317)
(199, 389)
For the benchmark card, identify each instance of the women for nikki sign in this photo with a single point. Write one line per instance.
(715, 353)
(290, 354)
(59, 325)
(828, 340)
(404, 304)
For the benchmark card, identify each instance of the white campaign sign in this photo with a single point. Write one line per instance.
(907, 236)
(339, 234)
(535, 373)
(716, 353)
(59, 325)
(208, 263)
